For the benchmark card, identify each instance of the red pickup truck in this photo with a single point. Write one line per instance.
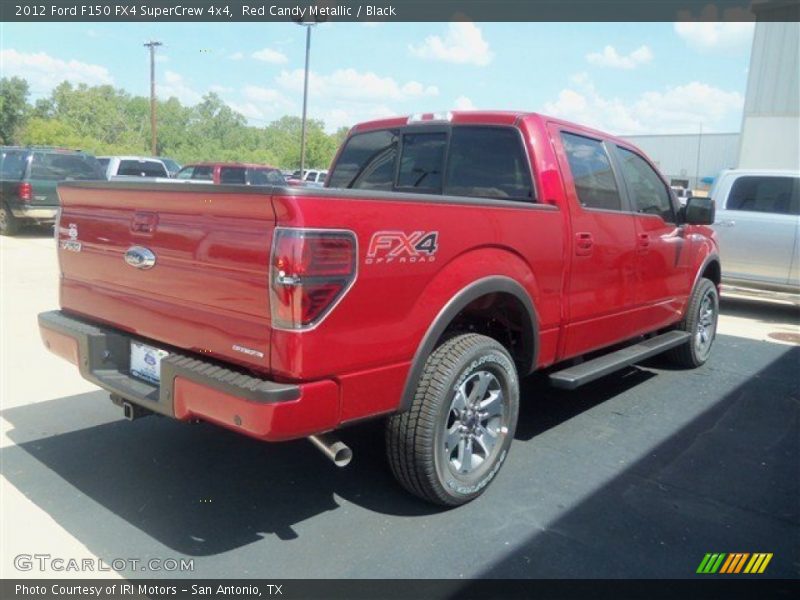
(449, 256)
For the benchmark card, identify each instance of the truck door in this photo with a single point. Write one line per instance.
(663, 275)
(756, 228)
(600, 290)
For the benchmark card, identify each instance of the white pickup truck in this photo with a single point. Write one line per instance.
(758, 230)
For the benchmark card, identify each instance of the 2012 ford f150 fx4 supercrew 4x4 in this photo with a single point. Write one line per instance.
(447, 257)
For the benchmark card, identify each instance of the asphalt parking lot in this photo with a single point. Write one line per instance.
(636, 476)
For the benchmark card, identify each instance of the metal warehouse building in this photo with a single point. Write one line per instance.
(770, 137)
(691, 157)
(771, 123)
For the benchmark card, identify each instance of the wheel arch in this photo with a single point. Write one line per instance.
(709, 268)
(495, 287)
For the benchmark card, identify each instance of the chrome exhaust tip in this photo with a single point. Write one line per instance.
(334, 448)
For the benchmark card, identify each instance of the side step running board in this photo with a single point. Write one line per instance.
(576, 376)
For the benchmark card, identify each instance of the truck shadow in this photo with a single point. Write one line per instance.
(35, 231)
(726, 479)
(761, 311)
(543, 407)
(201, 490)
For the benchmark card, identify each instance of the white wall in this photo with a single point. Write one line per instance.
(770, 143)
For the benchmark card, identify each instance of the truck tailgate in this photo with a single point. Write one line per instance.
(207, 290)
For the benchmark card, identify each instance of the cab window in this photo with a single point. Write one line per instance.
(488, 162)
(777, 195)
(231, 175)
(203, 173)
(647, 191)
(591, 171)
(13, 164)
(367, 161)
(422, 162)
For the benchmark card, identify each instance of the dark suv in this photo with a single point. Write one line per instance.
(28, 178)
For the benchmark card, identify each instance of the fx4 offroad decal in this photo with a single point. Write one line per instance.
(401, 247)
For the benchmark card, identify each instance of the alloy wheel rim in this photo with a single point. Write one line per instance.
(475, 423)
(706, 323)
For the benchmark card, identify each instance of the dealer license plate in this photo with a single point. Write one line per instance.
(146, 362)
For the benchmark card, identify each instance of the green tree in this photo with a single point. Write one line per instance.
(13, 108)
(105, 120)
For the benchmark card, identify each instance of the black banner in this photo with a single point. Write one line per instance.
(335, 589)
(226, 11)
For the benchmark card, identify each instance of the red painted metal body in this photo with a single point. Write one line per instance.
(595, 278)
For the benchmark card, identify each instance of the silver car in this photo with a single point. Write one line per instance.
(758, 229)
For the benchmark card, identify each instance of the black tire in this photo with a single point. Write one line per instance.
(696, 351)
(464, 380)
(9, 224)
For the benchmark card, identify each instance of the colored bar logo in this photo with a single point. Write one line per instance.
(734, 563)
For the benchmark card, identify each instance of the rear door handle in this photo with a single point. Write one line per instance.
(583, 243)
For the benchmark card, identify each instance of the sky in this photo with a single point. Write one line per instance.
(624, 78)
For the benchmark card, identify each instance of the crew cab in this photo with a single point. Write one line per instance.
(450, 256)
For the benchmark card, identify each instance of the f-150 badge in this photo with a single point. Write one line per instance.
(401, 247)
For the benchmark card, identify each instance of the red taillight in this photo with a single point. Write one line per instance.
(310, 271)
(24, 192)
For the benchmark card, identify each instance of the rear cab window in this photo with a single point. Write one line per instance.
(422, 162)
(142, 168)
(459, 160)
(266, 177)
(765, 194)
(230, 175)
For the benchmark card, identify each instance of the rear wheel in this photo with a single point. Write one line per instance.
(9, 224)
(700, 322)
(455, 437)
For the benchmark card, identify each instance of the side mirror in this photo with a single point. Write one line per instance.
(699, 211)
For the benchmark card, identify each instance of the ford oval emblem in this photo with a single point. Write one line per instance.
(140, 257)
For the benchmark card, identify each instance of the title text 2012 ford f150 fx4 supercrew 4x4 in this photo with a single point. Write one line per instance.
(448, 257)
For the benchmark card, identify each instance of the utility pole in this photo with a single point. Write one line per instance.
(153, 45)
(697, 166)
(305, 102)
(308, 25)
